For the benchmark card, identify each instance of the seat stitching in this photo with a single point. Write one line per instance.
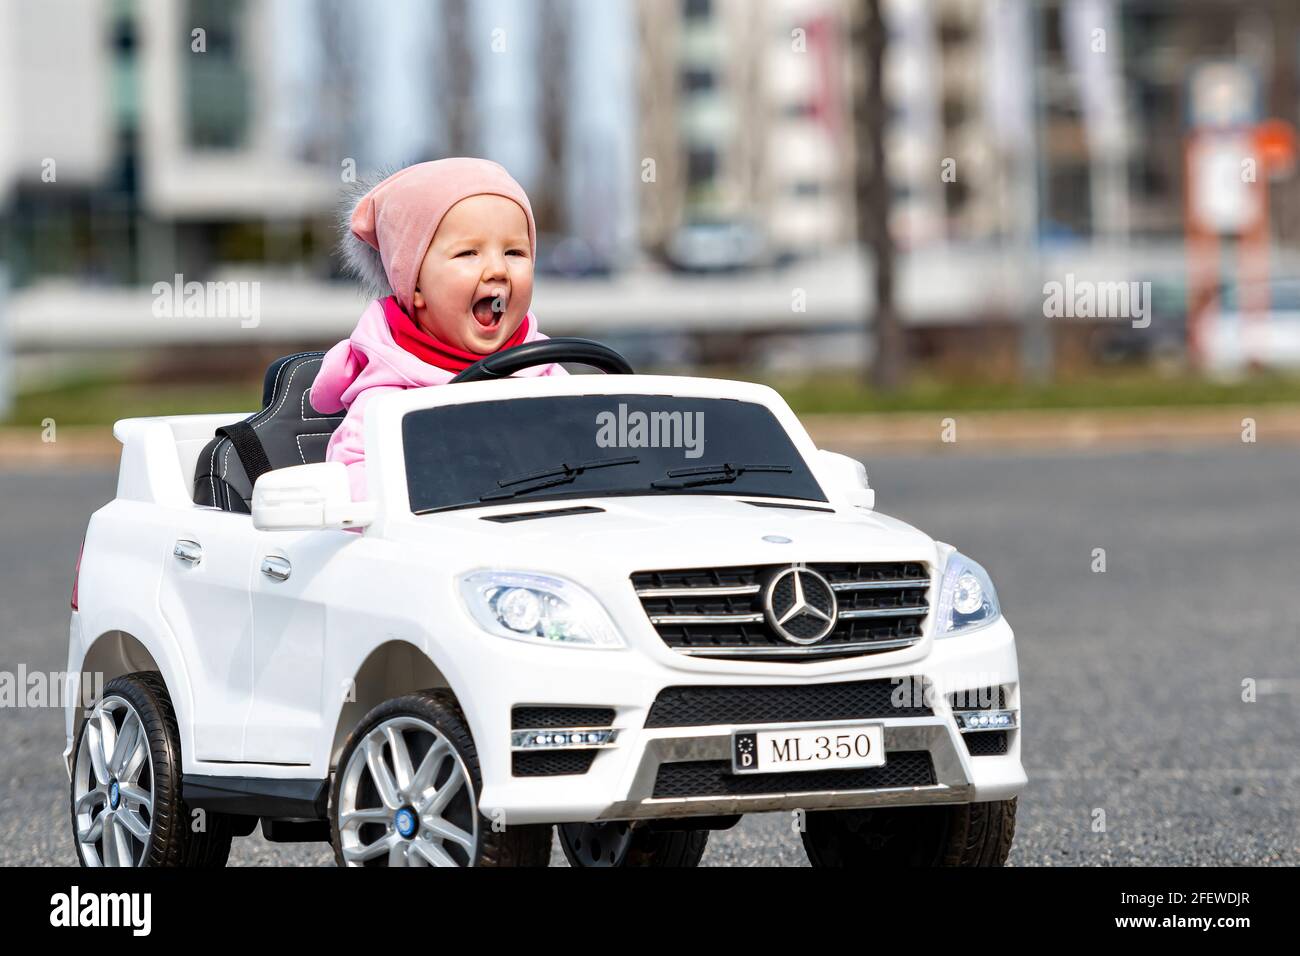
(313, 418)
(225, 461)
(285, 397)
(280, 371)
(212, 469)
(302, 454)
(227, 486)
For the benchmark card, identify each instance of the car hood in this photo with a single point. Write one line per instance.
(670, 531)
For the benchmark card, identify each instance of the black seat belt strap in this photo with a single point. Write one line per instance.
(249, 449)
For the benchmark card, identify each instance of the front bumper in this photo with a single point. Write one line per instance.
(626, 780)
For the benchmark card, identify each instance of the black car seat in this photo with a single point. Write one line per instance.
(287, 431)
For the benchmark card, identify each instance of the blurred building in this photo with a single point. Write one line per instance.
(196, 136)
(1024, 139)
(744, 115)
(944, 164)
(62, 121)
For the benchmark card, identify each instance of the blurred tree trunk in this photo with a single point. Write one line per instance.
(1283, 104)
(548, 204)
(870, 120)
(459, 76)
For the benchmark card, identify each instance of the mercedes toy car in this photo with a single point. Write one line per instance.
(624, 609)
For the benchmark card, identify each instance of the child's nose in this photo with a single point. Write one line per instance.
(494, 266)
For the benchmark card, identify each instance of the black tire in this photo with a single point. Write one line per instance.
(593, 844)
(971, 834)
(172, 840)
(525, 845)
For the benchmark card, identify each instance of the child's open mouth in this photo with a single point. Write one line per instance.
(485, 312)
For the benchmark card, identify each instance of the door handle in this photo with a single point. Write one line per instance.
(188, 551)
(276, 568)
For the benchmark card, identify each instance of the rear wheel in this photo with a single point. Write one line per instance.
(406, 793)
(626, 844)
(971, 834)
(126, 804)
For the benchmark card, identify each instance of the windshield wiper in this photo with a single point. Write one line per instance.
(537, 480)
(722, 474)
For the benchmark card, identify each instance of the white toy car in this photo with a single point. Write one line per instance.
(636, 607)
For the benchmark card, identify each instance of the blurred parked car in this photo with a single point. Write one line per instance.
(716, 246)
(1165, 338)
(570, 257)
(1234, 338)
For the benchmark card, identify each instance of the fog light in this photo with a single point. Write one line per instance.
(583, 738)
(972, 720)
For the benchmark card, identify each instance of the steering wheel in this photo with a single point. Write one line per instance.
(560, 349)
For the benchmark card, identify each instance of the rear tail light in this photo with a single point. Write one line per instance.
(76, 575)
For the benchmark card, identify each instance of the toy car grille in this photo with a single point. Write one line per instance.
(991, 743)
(765, 704)
(979, 698)
(550, 763)
(708, 778)
(719, 612)
(537, 718)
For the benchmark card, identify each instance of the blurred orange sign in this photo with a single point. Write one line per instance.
(1275, 143)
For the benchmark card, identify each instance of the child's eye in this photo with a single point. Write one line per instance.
(467, 252)
(516, 252)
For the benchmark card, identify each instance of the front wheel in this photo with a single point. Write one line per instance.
(969, 834)
(406, 793)
(625, 844)
(126, 804)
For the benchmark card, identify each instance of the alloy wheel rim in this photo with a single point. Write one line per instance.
(597, 844)
(113, 786)
(406, 799)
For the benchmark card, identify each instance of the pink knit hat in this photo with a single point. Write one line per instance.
(398, 217)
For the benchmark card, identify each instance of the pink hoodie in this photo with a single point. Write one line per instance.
(370, 363)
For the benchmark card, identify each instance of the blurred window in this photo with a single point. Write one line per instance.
(956, 195)
(955, 111)
(696, 80)
(122, 77)
(1069, 199)
(953, 32)
(701, 165)
(697, 9)
(218, 95)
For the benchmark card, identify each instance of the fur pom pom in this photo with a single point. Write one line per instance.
(360, 259)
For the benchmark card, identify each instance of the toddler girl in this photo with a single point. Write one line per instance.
(448, 246)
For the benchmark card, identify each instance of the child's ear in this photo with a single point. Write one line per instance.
(417, 299)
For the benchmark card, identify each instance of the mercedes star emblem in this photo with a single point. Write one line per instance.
(800, 605)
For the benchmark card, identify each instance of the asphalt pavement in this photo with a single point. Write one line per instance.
(1132, 678)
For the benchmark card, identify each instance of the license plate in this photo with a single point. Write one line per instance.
(808, 748)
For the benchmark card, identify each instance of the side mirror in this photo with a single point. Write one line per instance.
(848, 478)
(308, 497)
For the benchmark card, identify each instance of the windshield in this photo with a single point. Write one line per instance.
(579, 446)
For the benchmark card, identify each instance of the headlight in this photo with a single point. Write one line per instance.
(538, 609)
(967, 599)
